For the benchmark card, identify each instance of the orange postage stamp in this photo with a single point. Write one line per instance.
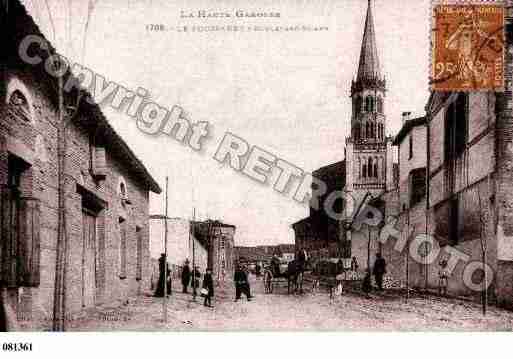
(467, 46)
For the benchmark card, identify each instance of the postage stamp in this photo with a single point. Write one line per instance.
(467, 42)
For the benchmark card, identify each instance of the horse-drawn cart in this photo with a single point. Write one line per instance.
(284, 273)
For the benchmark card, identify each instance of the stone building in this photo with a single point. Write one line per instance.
(367, 170)
(219, 238)
(74, 233)
(462, 197)
(405, 205)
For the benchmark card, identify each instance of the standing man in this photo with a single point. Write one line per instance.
(159, 292)
(241, 283)
(380, 268)
(257, 270)
(208, 284)
(186, 276)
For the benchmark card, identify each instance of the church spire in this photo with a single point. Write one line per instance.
(368, 68)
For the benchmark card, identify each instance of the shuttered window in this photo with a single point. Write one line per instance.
(139, 237)
(417, 185)
(19, 232)
(123, 249)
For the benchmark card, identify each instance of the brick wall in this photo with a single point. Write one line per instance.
(35, 141)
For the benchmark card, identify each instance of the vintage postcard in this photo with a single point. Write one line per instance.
(236, 165)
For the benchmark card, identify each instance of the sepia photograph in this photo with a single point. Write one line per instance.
(223, 167)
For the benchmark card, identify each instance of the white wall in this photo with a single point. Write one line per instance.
(179, 243)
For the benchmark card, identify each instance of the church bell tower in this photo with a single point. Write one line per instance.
(368, 150)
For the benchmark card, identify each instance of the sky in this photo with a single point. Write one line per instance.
(286, 92)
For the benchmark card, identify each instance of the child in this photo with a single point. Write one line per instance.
(208, 286)
(443, 276)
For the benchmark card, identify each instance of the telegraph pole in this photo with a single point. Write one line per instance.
(164, 303)
(193, 257)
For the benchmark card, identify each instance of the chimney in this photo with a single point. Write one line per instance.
(406, 117)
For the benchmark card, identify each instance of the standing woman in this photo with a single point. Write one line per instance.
(208, 285)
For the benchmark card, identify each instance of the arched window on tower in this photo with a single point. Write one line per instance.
(380, 105)
(364, 171)
(368, 104)
(357, 131)
(358, 104)
(369, 167)
(20, 105)
(373, 135)
(376, 168)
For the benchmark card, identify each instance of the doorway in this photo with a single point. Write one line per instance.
(89, 258)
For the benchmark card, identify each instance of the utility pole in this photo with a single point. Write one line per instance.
(193, 257)
(164, 303)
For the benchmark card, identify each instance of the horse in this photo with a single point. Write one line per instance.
(294, 275)
(268, 280)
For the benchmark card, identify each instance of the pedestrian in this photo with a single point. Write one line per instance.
(443, 278)
(159, 292)
(186, 276)
(257, 270)
(241, 284)
(379, 270)
(301, 260)
(169, 281)
(366, 284)
(208, 288)
(340, 266)
(354, 264)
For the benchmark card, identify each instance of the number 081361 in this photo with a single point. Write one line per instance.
(17, 347)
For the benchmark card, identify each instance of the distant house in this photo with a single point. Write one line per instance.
(219, 239)
(74, 233)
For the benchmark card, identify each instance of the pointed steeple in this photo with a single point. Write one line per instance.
(368, 67)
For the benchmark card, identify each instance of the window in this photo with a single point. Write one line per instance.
(358, 104)
(417, 185)
(380, 105)
(357, 131)
(364, 171)
(19, 229)
(122, 249)
(139, 265)
(367, 130)
(369, 167)
(456, 126)
(376, 169)
(410, 152)
(123, 192)
(453, 221)
(369, 104)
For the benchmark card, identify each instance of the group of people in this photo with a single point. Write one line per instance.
(188, 278)
(378, 270)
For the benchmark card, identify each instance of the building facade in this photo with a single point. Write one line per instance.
(455, 187)
(74, 199)
(219, 239)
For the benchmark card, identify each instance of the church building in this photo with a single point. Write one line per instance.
(367, 170)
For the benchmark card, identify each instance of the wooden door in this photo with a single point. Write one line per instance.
(88, 259)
